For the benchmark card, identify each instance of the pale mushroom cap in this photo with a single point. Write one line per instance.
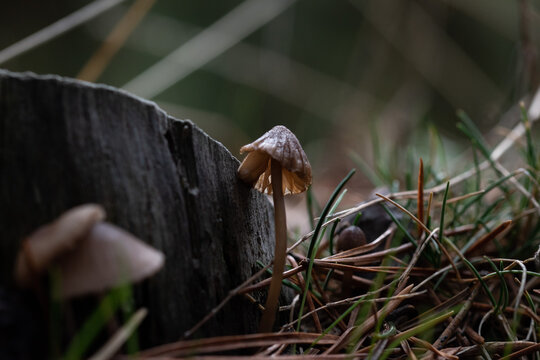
(281, 145)
(50, 241)
(107, 257)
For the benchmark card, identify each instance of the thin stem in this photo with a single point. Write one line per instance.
(204, 47)
(95, 66)
(58, 28)
(280, 225)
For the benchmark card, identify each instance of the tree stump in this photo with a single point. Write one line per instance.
(65, 142)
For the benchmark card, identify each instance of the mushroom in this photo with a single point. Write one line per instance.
(91, 256)
(349, 238)
(107, 257)
(43, 246)
(276, 164)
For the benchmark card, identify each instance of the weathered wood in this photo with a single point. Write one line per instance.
(64, 142)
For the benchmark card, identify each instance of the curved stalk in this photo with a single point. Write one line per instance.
(280, 225)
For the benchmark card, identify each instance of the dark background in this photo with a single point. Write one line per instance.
(331, 71)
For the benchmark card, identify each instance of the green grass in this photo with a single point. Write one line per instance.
(117, 299)
(438, 266)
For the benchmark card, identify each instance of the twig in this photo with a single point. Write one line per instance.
(120, 337)
(522, 352)
(430, 347)
(57, 28)
(350, 301)
(266, 282)
(450, 329)
(495, 347)
(229, 296)
(311, 306)
(115, 40)
(369, 258)
(488, 237)
(415, 258)
(368, 323)
(521, 290)
(405, 346)
(224, 343)
(474, 336)
(421, 224)
(213, 41)
(331, 312)
(420, 200)
(517, 185)
(462, 197)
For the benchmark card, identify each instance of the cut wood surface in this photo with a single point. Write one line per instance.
(65, 142)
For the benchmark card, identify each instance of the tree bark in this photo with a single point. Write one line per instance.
(65, 142)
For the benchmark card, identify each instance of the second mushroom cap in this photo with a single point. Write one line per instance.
(281, 145)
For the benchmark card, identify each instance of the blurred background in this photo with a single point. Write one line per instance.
(352, 79)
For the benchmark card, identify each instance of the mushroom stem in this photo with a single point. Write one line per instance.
(280, 225)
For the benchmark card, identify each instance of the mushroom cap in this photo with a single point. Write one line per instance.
(107, 257)
(281, 145)
(351, 237)
(50, 241)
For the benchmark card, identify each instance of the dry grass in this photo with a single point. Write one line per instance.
(414, 294)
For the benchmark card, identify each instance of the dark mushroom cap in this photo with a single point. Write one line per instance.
(281, 145)
(351, 237)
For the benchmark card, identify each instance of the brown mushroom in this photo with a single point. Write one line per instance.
(349, 238)
(281, 145)
(276, 164)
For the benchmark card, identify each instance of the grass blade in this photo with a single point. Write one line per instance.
(314, 238)
(373, 177)
(420, 197)
(531, 152)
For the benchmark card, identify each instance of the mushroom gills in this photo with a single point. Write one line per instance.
(253, 166)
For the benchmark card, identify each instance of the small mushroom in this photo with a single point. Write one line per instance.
(349, 238)
(47, 243)
(107, 257)
(91, 255)
(276, 164)
(282, 146)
